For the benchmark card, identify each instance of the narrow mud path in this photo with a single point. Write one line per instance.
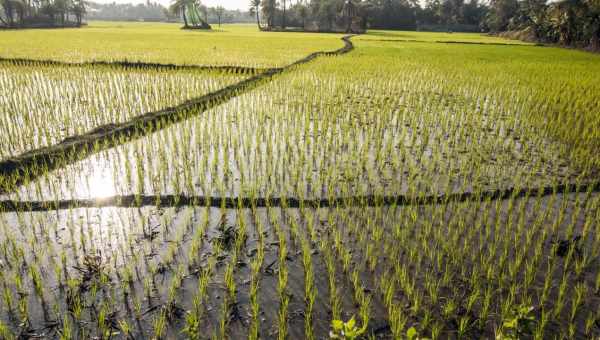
(131, 201)
(458, 42)
(29, 165)
(136, 65)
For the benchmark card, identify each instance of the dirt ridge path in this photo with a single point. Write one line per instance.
(138, 65)
(21, 169)
(135, 201)
(458, 42)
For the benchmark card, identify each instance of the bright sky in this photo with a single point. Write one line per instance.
(229, 4)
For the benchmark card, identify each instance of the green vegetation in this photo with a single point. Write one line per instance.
(240, 45)
(54, 13)
(189, 9)
(65, 101)
(390, 118)
(400, 36)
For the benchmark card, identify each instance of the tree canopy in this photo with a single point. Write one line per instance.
(567, 22)
(45, 13)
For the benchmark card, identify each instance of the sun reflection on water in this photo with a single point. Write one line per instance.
(99, 183)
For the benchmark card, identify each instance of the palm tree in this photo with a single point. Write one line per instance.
(204, 11)
(179, 7)
(268, 8)
(254, 5)
(303, 12)
(283, 18)
(565, 20)
(62, 7)
(21, 9)
(12, 7)
(78, 9)
(7, 6)
(593, 14)
(219, 10)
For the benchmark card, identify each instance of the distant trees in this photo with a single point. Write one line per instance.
(218, 11)
(326, 15)
(501, 13)
(254, 10)
(179, 7)
(566, 22)
(302, 10)
(399, 14)
(452, 15)
(79, 11)
(148, 11)
(324, 12)
(190, 12)
(8, 7)
(283, 16)
(46, 13)
(154, 11)
(269, 8)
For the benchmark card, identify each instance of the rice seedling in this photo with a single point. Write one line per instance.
(435, 198)
(45, 104)
(236, 44)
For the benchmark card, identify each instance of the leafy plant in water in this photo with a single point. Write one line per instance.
(413, 334)
(518, 324)
(346, 330)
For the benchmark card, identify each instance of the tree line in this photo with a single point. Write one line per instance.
(154, 11)
(41, 13)
(58, 13)
(148, 11)
(567, 22)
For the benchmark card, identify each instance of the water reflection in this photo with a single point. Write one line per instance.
(94, 179)
(99, 184)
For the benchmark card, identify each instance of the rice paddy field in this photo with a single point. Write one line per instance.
(165, 43)
(44, 104)
(393, 190)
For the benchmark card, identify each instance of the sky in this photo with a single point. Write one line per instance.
(229, 4)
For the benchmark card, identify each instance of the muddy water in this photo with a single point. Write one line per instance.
(155, 246)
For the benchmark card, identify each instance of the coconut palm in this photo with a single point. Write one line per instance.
(179, 7)
(79, 9)
(593, 14)
(269, 7)
(254, 10)
(8, 12)
(303, 13)
(283, 16)
(218, 11)
(12, 7)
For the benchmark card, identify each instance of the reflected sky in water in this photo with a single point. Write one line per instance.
(99, 184)
(93, 178)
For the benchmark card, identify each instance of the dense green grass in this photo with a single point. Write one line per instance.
(555, 88)
(480, 38)
(66, 101)
(165, 43)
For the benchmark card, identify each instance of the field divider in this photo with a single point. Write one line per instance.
(165, 201)
(457, 42)
(21, 169)
(138, 65)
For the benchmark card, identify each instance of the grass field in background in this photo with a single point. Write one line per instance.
(236, 44)
(480, 38)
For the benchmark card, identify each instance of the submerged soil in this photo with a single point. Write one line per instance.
(155, 244)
